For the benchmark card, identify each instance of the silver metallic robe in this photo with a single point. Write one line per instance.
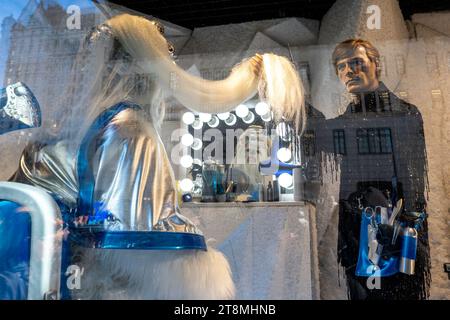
(134, 180)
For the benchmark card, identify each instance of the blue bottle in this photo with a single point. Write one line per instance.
(409, 250)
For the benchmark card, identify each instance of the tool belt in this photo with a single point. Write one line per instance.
(388, 240)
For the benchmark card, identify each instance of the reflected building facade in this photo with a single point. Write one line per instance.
(379, 142)
(42, 51)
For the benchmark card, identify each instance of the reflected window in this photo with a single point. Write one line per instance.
(403, 95)
(339, 141)
(374, 141)
(400, 62)
(309, 143)
(437, 102)
(432, 63)
(448, 61)
(305, 73)
(385, 140)
(383, 65)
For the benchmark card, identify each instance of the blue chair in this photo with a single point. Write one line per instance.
(30, 254)
(30, 258)
(93, 235)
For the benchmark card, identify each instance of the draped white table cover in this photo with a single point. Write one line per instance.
(271, 247)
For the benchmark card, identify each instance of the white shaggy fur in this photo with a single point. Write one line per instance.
(157, 275)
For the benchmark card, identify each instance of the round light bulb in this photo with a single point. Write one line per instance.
(188, 118)
(223, 116)
(249, 118)
(187, 139)
(186, 161)
(186, 185)
(214, 122)
(267, 117)
(204, 117)
(262, 108)
(231, 121)
(198, 124)
(285, 180)
(197, 145)
(284, 154)
(242, 111)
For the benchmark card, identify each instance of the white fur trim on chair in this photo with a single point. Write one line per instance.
(138, 274)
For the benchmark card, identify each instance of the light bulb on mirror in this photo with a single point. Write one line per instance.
(231, 121)
(286, 180)
(186, 161)
(197, 145)
(267, 117)
(187, 139)
(223, 116)
(249, 118)
(186, 185)
(188, 118)
(262, 108)
(242, 111)
(205, 117)
(214, 122)
(284, 154)
(198, 124)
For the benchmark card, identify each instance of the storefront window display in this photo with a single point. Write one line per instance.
(149, 155)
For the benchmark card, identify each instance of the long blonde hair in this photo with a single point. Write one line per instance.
(278, 83)
(108, 80)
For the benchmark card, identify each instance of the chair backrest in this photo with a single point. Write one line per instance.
(88, 148)
(93, 235)
(45, 247)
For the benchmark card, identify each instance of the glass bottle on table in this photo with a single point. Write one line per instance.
(209, 180)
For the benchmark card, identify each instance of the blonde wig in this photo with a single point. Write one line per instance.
(277, 81)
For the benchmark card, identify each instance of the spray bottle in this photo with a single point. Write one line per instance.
(409, 250)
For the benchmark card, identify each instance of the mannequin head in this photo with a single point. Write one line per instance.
(357, 64)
